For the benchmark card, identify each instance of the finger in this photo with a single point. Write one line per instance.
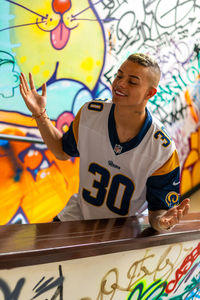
(24, 82)
(44, 90)
(186, 209)
(23, 87)
(183, 203)
(32, 85)
(22, 91)
(180, 214)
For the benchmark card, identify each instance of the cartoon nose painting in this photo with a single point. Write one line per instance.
(60, 35)
(62, 43)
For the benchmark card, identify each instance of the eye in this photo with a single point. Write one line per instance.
(133, 83)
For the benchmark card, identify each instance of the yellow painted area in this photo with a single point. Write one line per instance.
(191, 159)
(42, 197)
(65, 128)
(190, 176)
(46, 74)
(196, 173)
(98, 63)
(35, 70)
(85, 46)
(194, 138)
(17, 119)
(87, 64)
(89, 79)
(23, 59)
(186, 181)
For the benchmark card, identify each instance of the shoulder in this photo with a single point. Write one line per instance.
(96, 106)
(161, 136)
(161, 147)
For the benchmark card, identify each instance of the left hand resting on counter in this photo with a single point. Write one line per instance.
(174, 215)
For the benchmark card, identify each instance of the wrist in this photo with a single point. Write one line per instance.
(42, 115)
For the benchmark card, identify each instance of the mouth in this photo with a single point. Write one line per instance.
(119, 93)
(60, 36)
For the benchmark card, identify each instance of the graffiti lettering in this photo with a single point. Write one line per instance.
(42, 287)
(184, 268)
(140, 270)
(14, 295)
(154, 291)
(112, 6)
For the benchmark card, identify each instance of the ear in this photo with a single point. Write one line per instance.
(152, 92)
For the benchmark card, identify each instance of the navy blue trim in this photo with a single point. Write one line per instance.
(69, 143)
(114, 139)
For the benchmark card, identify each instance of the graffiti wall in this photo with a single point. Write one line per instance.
(164, 272)
(76, 47)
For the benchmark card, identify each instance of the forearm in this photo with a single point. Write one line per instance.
(51, 136)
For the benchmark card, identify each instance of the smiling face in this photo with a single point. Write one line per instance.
(132, 86)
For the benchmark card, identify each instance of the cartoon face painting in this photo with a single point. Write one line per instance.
(57, 39)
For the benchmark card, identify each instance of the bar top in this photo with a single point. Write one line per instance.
(22, 245)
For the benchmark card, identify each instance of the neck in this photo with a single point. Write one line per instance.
(129, 122)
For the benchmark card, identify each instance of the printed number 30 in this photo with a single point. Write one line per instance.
(101, 186)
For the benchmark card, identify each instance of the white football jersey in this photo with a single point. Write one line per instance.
(116, 179)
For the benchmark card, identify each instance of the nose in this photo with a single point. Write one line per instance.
(61, 6)
(121, 82)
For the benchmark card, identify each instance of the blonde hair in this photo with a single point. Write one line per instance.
(148, 62)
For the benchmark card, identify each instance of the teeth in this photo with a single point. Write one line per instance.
(119, 93)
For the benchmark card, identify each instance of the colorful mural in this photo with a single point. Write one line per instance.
(76, 47)
(158, 273)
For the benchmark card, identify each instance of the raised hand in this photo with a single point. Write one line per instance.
(174, 215)
(36, 103)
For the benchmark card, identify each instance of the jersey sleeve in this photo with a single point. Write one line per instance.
(70, 138)
(163, 185)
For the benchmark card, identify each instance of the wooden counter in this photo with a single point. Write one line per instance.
(22, 245)
(114, 259)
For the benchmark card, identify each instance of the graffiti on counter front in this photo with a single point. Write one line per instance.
(43, 286)
(171, 273)
(39, 289)
(11, 295)
(139, 271)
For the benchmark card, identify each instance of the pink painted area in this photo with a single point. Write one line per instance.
(64, 119)
(60, 36)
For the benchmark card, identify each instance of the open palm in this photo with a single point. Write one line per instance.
(36, 103)
(174, 215)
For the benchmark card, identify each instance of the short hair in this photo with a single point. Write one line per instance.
(148, 62)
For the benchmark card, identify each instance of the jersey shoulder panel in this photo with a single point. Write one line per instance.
(94, 109)
(160, 146)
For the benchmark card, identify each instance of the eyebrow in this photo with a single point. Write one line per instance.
(132, 76)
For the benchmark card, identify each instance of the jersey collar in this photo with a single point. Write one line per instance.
(118, 147)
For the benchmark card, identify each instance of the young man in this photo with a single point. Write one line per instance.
(126, 157)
